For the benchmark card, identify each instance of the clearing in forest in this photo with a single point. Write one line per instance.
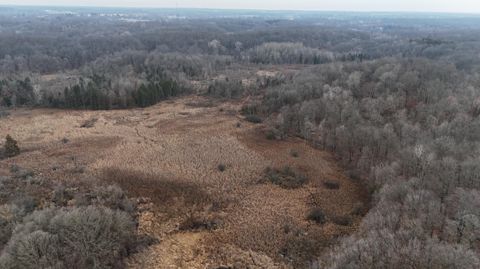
(198, 171)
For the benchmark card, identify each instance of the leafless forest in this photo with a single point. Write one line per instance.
(190, 138)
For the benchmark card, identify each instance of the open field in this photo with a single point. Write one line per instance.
(170, 156)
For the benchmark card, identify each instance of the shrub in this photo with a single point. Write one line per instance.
(114, 198)
(61, 195)
(221, 167)
(359, 209)
(354, 174)
(193, 222)
(89, 123)
(286, 178)
(38, 249)
(294, 153)
(89, 237)
(250, 109)
(253, 119)
(9, 215)
(332, 185)
(270, 135)
(25, 202)
(11, 148)
(317, 215)
(342, 220)
(78, 169)
(19, 172)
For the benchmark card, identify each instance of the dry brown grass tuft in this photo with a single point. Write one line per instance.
(89, 123)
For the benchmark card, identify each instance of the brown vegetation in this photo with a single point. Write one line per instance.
(11, 148)
(169, 156)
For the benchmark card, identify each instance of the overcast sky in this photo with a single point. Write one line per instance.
(469, 6)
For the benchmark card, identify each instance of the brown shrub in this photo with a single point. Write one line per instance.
(331, 185)
(253, 119)
(286, 177)
(221, 167)
(11, 148)
(250, 109)
(194, 222)
(342, 220)
(317, 215)
(359, 209)
(19, 172)
(270, 135)
(89, 123)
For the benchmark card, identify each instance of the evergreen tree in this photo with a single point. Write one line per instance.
(11, 147)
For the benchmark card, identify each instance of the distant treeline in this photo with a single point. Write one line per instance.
(97, 93)
(15, 92)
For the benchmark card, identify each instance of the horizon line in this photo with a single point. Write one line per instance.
(248, 9)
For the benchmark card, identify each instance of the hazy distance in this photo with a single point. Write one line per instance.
(462, 6)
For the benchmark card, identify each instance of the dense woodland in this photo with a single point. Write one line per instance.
(395, 97)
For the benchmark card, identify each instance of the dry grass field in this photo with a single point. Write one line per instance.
(170, 156)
